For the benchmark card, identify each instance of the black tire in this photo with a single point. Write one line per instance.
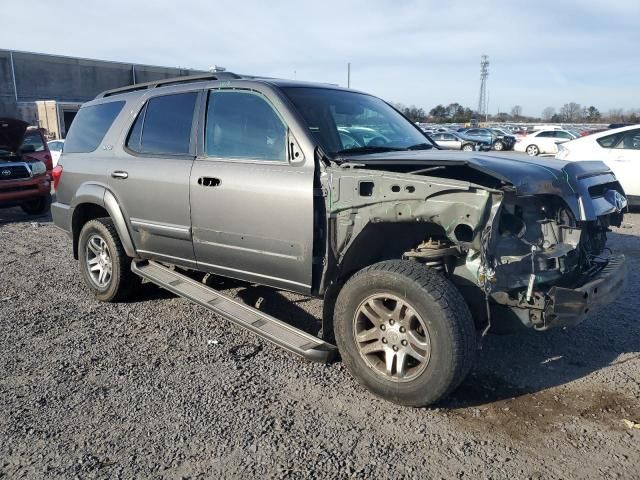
(38, 206)
(449, 324)
(122, 281)
(498, 146)
(467, 147)
(532, 150)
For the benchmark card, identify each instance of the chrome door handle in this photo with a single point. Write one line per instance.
(119, 174)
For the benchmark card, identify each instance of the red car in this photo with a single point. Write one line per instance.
(25, 167)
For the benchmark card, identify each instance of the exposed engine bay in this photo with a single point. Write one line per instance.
(511, 251)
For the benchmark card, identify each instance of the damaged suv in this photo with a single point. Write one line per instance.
(333, 193)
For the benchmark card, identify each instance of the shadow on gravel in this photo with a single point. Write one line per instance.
(16, 215)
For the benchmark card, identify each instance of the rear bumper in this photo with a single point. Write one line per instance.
(15, 191)
(567, 307)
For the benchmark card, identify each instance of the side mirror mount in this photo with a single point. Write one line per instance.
(294, 152)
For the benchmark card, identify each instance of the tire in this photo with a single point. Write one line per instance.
(467, 147)
(498, 146)
(38, 206)
(442, 323)
(532, 150)
(99, 247)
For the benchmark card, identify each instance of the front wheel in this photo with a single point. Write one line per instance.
(39, 206)
(532, 150)
(498, 146)
(104, 265)
(404, 332)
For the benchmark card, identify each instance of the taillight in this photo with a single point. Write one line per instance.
(56, 173)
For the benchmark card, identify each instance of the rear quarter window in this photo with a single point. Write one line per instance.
(90, 126)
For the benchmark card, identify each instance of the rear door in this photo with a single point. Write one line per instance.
(624, 160)
(150, 179)
(251, 208)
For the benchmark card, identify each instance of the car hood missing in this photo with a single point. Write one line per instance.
(528, 176)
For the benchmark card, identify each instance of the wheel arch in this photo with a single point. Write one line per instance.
(95, 201)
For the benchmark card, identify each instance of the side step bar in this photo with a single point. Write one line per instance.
(270, 328)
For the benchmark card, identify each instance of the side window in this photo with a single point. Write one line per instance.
(55, 146)
(33, 139)
(438, 136)
(630, 140)
(243, 125)
(163, 125)
(448, 136)
(90, 126)
(560, 134)
(473, 131)
(547, 134)
(609, 141)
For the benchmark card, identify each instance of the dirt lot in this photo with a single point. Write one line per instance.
(160, 388)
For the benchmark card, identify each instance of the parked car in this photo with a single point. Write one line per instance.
(25, 167)
(55, 147)
(543, 142)
(498, 140)
(619, 149)
(249, 178)
(455, 141)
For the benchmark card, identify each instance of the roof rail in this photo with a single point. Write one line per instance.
(170, 81)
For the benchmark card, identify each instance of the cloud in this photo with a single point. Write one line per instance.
(415, 52)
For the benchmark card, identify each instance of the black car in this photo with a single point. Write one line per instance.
(498, 139)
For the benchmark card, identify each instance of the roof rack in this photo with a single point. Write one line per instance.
(170, 81)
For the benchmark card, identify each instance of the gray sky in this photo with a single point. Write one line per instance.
(543, 53)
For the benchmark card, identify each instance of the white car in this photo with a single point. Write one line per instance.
(619, 148)
(543, 142)
(55, 147)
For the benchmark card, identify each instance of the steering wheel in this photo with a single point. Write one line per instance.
(377, 142)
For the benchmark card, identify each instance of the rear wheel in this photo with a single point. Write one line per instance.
(38, 206)
(467, 147)
(104, 265)
(532, 150)
(405, 332)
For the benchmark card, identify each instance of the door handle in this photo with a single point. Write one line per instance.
(209, 181)
(119, 174)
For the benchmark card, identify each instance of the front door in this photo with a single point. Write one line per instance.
(251, 209)
(150, 178)
(624, 159)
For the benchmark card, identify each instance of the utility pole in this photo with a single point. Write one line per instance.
(348, 74)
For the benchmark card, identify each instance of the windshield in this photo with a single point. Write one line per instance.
(346, 122)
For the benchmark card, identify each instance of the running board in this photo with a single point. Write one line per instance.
(270, 328)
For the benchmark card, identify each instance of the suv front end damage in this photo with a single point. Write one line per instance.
(523, 241)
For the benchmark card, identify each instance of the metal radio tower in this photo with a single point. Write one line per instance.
(484, 73)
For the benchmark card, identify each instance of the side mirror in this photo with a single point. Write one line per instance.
(295, 153)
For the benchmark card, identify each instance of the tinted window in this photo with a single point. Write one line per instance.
(609, 141)
(35, 140)
(163, 126)
(630, 140)
(244, 125)
(564, 135)
(90, 126)
(547, 134)
(473, 131)
(448, 136)
(438, 136)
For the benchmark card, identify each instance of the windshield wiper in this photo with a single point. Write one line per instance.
(368, 150)
(421, 146)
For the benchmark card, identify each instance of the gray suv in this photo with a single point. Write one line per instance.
(416, 252)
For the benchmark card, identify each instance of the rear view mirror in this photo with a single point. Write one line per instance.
(294, 152)
(349, 108)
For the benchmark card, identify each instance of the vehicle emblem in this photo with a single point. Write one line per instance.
(6, 173)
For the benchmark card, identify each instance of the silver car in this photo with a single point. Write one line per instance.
(453, 141)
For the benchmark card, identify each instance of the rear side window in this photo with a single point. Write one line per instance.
(90, 126)
(609, 141)
(163, 125)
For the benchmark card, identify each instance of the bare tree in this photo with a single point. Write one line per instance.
(570, 112)
(516, 112)
(547, 113)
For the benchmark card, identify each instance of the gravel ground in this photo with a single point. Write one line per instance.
(161, 388)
